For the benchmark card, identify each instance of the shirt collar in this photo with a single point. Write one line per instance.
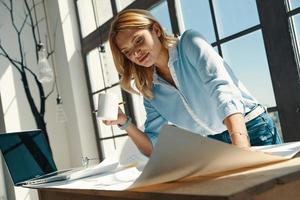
(155, 76)
(173, 56)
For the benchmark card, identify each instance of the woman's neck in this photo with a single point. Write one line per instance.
(162, 61)
(162, 67)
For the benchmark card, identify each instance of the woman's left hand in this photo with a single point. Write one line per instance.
(236, 126)
(241, 140)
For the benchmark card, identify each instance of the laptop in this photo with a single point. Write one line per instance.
(29, 160)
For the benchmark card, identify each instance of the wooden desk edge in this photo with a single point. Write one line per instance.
(255, 192)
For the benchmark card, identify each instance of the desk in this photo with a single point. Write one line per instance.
(270, 182)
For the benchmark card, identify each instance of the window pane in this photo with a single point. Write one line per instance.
(86, 16)
(95, 101)
(104, 130)
(108, 67)
(108, 148)
(103, 11)
(195, 9)
(121, 4)
(294, 4)
(247, 57)
(161, 13)
(95, 72)
(120, 141)
(296, 30)
(234, 16)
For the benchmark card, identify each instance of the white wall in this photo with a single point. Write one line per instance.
(75, 138)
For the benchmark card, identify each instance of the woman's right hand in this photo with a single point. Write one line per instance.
(122, 118)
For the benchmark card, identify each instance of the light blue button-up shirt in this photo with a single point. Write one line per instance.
(207, 90)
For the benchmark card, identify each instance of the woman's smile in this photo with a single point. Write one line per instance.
(143, 58)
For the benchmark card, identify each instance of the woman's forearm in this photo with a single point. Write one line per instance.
(236, 126)
(140, 139)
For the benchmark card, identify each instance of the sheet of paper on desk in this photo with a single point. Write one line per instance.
(286, 150)
(179, 154)
(119, 179)
(107, 165)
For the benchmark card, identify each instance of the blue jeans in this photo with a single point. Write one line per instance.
(261, 130)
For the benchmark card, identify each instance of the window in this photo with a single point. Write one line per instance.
(295, 30)
(293, 9)
(95, 72)
(102, 10)
(234, 16)
(161, 13)
(294, 4)
(246, 56)
(244, 51)
(121, 4)
(197, 15)
(92, 14)
(104, 79)
(86, 16)
(239, 40)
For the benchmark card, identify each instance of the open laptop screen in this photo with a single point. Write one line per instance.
(27, 155)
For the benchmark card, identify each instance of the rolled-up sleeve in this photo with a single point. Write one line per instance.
(154, 122)
(215, 74)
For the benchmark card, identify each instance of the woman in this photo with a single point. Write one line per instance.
(183, 82)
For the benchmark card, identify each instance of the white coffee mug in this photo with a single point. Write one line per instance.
(108, 106)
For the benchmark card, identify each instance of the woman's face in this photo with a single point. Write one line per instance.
(141, 46)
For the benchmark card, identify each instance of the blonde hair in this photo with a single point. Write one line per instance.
(128, 70)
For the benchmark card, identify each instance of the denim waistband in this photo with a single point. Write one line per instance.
(255, 112)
